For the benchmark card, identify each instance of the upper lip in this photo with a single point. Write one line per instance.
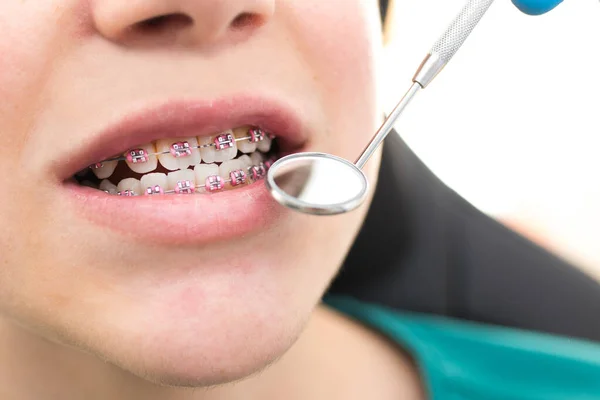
(185, 118)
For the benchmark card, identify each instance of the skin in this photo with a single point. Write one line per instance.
(88, 313)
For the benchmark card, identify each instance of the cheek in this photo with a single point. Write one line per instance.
(24, 48)
(25, 54)
(33, 35)
(342, 43)
(29, 30)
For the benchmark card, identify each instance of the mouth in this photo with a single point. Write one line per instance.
(183, 172)
(223, 161)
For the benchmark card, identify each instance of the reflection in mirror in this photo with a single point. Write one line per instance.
(317, 183)
(293, 178)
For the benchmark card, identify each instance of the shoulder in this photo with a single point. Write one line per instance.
(483, 361)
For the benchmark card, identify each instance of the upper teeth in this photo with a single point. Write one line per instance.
(223, 147)
(105, 169)
(265, 144)
(143, 159)
(244, 145)
(179, 154)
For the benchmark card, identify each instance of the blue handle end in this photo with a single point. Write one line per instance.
(536, 7)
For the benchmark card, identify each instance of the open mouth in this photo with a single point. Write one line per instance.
(206, 164)
(182, 171)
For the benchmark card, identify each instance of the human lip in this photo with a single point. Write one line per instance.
(181, 219)
(177, 219)
(185, 118)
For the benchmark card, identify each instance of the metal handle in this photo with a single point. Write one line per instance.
(443, 50)
(453, 38)
(387, 126)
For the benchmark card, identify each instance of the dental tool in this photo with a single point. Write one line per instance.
(324, 184)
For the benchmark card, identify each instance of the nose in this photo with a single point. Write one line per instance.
(181, 21)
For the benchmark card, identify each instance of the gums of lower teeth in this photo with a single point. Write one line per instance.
(204, 178)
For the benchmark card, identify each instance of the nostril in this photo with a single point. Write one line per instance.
(246, 20)
(164, 22)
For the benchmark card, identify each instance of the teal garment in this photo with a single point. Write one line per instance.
(461, 360)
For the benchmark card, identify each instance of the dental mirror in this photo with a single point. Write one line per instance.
(324, 184)
(317, 183)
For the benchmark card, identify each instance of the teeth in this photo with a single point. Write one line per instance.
(170, 161)
(230, 150)
(178, 155)
(256, 158)
(214, 183)
(240, 175)
(245, 146)
(209, 153)
(139, 160)
(167, 160)
(108, 186)
(265, 144)
(229, 166)
(106, 170)
(130, 184)
(246, 161)
(153, 180)
(213, 177)
(180, 176)
(203, 171)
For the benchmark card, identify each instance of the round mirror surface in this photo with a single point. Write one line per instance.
(317, 183)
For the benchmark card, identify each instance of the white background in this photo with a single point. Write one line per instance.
(513, 122)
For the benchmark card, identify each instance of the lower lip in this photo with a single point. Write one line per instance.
(179, 219)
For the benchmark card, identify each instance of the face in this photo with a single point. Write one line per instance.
(178, 288)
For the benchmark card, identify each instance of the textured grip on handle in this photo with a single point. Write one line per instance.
(460, 29)
(454, 37)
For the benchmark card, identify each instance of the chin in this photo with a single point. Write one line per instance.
(189, 336)
(206, 362)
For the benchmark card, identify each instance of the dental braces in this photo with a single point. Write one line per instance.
(181, 149)
(213, 183)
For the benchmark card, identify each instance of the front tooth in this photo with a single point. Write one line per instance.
(151, 181)
(207, 153)
(203, 171)
(185, 148)
(131, 185)
(244, 145)
(142, 159)
(108, 186)
(104, 169)
(228, 147)
(181, 180)
(265, 144)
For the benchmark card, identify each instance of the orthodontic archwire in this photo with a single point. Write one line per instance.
(213, 183)
(222, 141)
